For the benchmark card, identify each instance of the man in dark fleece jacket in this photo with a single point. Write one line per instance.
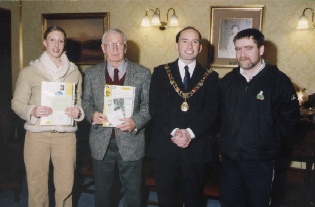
(259, 108)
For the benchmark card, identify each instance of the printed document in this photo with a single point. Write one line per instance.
(58, 96)
(118, 103)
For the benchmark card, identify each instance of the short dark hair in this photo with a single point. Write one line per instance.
(186, 28)
(257, 36)
(55, 28)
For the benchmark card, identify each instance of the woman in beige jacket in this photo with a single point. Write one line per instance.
(48, 142)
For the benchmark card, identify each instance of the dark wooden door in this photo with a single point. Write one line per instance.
(5, 77)
(11, 154)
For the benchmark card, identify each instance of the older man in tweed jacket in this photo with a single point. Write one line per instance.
(124, 145)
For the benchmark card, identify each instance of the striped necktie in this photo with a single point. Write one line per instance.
(187, 77)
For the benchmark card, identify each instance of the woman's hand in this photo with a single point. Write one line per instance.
(73, 112)
(42, 111)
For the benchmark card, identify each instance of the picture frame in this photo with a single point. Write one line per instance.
(225, 22)
(84, 33)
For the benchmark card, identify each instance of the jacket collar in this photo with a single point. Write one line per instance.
(268, 70)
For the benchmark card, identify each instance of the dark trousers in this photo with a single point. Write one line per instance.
(246, 183)
(129, 173)
(174, 178)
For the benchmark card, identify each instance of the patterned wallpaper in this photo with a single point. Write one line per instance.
(292, 50)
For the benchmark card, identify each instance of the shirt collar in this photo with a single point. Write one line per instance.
(181, 66)
(191, 66)
(260, 69)
(122, 69)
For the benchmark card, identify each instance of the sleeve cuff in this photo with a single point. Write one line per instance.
(192, 135)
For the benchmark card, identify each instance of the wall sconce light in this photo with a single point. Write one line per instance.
(303, 22)
(155, 21)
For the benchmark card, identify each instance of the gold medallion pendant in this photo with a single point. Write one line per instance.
(184, 106)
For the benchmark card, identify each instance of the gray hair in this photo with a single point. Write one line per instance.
(118, 31)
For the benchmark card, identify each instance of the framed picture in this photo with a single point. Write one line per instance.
(84, 31)
(225, 22)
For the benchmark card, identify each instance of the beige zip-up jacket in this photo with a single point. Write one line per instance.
(28, 95)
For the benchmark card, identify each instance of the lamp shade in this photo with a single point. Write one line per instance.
(303, 23)
(145, 21)
(155, 20)
(173, 21)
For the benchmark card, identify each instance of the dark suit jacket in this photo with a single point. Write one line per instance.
(131, 145)
(165, 110)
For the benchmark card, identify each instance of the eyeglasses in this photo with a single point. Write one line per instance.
(119, 45)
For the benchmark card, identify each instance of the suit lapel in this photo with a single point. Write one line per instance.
(99, 80)
(130, 74)
(176, 74)
(196, 77)
(100, 75)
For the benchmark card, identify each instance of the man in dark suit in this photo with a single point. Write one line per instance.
(124, 145)
(183, 116)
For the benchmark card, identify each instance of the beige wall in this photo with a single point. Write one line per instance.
(292, 50)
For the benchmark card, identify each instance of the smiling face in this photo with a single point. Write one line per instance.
(188, 45)
(54, 44)
(248, 54)
(114, 55)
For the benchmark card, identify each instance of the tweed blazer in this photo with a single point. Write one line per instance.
(130, 144)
